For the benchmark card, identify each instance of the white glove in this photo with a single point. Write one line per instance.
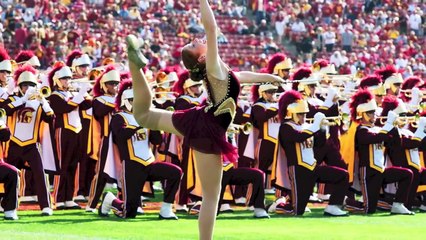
(46, 106)
(84, 88)
(316, 125)
(34, 104)
(416, 98)
(420, 132)
(10, 85)
(30, 92)
(349, 87)
(331, 94)
(422, 123)
(391, 118)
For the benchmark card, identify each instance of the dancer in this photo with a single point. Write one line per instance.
(204, 127)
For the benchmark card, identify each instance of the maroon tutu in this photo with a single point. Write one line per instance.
(204, 132)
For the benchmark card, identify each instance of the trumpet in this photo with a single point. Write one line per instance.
(43, 92)
(407, 93)
(328, 121)
(2, 113)
(246, 128)
(401, 120)
(341, 77)
(81, 80)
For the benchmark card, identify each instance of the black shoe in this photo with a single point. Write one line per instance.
(134, 51)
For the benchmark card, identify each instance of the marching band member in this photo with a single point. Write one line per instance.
(104, 92)
(368, 142)
(80, 65)
(411, 94)
(297, 140)
(27, 57)
(402, 149)
(6, 81)
(138, 162)
(27, 110)
(264, 115)
(245, 142)
(191, 95)
(391, 78)
(9, 180)
(327, 148)
(280, 65)
(68, 126)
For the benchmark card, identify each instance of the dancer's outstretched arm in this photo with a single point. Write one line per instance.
(253, 77)
(214, 65)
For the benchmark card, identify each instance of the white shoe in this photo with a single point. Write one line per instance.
(106, 204)
(273, 207)
(11, 215)
(60, 205)
(250, 208)
(323, 197)
(422, 208)
(399, 208)
(181, 208)
(335, 211)
(89, 209)
(307, 210)
(72, 205)
(47, 211)
(226, 208)
(269, 191)
(80, 198)
(314, 198)
(166, 212)
(240, 201)
(260, 213)
(140, 211)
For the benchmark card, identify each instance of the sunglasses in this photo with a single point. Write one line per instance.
(5, 71)
(270, 91)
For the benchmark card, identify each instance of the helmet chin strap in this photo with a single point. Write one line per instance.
(394, 89)
(127, 105)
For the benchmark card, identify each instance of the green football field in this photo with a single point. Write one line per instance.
(76, 224)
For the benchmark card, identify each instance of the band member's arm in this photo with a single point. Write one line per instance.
(155, 137)
(182, 104)
(47, 114)
(4, 131)
(12, 104)
(240, 117)
(60, 105)
(120, 130)
(365, 137)
(102, 108)
(289, 134)
(260, 114)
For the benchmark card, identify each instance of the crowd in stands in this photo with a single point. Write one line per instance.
(353, 34)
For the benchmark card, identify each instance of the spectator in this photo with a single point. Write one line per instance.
(347, 40)
(329, 39)
(415, 21)
(280, 25)
(298, 26)
(262, 29)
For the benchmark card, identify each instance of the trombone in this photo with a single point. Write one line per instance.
(407, 93)
(81, 80)
(414, 120)
(328, 121)
(246, 128)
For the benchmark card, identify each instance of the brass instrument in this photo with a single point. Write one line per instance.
(328, 121)
(246, 128)
(40, 93)
(407, 93)
(45, 91)
(81, 80)
(2, 113)
(401, 120)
